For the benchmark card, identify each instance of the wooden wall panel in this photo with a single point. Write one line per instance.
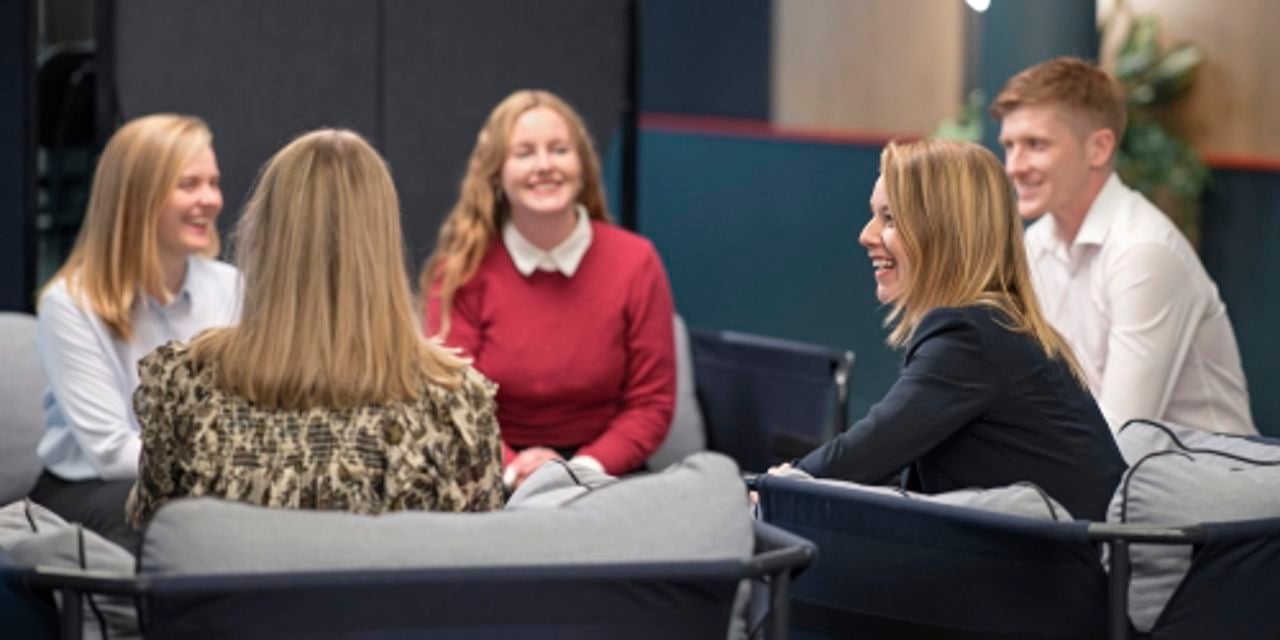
(1232, 108)
(878, 65)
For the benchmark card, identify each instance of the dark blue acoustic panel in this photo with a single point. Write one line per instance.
(17, 155)
(259, 72)
(417, 78)
(447, 64)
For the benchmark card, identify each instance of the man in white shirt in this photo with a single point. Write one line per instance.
(1114, 275)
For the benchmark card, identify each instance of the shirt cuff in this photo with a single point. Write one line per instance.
(588, 462)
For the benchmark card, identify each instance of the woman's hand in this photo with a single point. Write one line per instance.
(525, 463)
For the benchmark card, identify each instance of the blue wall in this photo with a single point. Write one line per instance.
(1240, 230)
(1011, 36)
(761, 236)
(706, 57)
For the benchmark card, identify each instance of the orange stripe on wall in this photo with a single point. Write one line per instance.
(760, 129)
(745, 128)
(1242, 162)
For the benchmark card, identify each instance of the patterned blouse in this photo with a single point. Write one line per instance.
(440, 452)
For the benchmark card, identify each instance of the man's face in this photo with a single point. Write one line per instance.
(1048, 156)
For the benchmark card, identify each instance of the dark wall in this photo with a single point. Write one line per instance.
(1240, 228)
(417, 78)
(707, 57)
(761, 236)
(1011, 36)
(17, 159)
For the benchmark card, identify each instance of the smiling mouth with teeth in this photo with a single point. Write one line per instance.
(883, 265)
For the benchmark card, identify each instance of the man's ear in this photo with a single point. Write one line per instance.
(1100, 147)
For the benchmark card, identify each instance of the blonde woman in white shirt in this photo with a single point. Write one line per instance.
(140, 275)
(1113, 274)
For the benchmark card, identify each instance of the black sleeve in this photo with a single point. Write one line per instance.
(947, 382)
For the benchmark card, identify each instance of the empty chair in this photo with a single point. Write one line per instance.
(895, 568)
(766, 400)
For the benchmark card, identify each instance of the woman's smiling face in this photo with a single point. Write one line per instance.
(880, 237)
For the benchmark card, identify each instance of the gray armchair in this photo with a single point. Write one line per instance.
(21, 413)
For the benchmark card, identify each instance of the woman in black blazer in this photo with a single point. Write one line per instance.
(989, 393)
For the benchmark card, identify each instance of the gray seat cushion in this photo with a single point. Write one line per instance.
(697, 510)
(1176, 487)
(1019, 499)
(1139, 438)
(555, 483)
(21, 411)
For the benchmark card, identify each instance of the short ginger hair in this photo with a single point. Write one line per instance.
(1076, 84)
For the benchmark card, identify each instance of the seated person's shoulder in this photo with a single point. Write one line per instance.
(166, 361)
(619, 239)
(956, 320)
(477, 387)
(975, 328)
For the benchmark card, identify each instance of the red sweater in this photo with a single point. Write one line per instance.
(583, 363)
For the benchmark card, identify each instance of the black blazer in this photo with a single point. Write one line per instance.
(978, 405)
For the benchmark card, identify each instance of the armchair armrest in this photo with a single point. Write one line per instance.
(1117, 538)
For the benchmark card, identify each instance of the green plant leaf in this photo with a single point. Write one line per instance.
(1140, 50)
(1174, 72)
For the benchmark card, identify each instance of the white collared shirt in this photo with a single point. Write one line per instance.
(564, 257)
(1144, 319)
(90, 427)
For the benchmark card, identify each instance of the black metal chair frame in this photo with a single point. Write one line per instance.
(839, 364)
(1117, 538)
(779, 556)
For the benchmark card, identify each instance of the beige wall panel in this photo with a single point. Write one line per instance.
(874, 65)
(1234, 106)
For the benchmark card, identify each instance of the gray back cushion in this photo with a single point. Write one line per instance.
(1139, 438)
(688, 434)
(33, 536)
(1171, 488)
(696, 510)
(1019, 499)
(21, 412)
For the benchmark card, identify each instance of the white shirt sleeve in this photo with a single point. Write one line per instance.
(79, 368)
(1155, 311)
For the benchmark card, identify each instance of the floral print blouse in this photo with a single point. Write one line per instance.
(439, 452)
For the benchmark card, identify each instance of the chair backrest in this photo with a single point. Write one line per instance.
(687, 435)
(21, 412)
(674, 600)
(766, 400)
(895, 568)
(607, 600)
(1183, 476)
(1232, 587)
(695, 511)
(660, 555)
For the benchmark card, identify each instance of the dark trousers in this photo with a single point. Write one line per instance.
(96, 504)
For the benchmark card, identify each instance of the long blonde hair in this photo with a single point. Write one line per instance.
(116, 256)
(328, 315)
(478, 215)
(954, 213)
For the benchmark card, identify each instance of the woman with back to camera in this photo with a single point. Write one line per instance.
(325, 395)
(141, 274)
(570, 315)
(989, 394)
